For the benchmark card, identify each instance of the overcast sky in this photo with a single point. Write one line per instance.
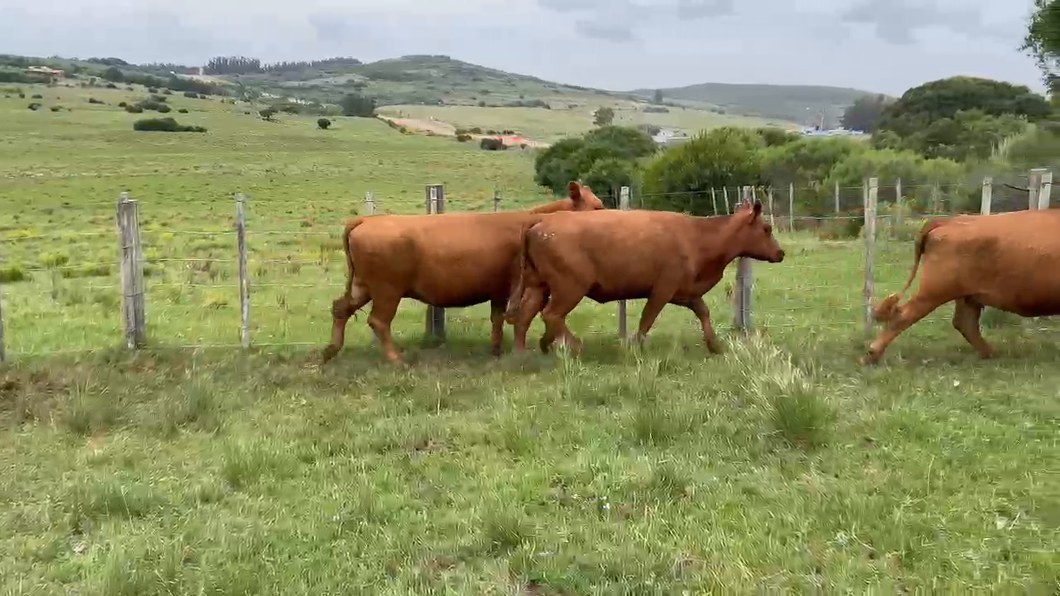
(876, 45)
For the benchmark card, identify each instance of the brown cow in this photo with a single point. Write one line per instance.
(1009, 261)
(449, 260)
(667, 258)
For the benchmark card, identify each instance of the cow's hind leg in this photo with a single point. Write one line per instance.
(554, 316)
(382, 315)
(342, 309)
(917, 308)
(532, 304)
(966, 315)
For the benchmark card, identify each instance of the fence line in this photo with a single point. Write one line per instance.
(132, 260)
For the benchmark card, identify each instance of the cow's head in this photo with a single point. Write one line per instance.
(579, 198)
(754, 235)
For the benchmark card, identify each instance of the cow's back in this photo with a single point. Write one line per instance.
(449, 260)
(1008, 261)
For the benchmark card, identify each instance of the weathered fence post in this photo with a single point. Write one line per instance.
(436, 315)
(936, 198)
(244, 288)
(791, 207)
(369, 204)
(772, 218)
(496, 200)
(725, 195)
(369, 209)
(988, 196)
(837, 196)
(899, 209)
(871, 198)
(1034, 188)
(132, 273)
(1046, 190)
(623, 204)
(714, 200)
(741, 292)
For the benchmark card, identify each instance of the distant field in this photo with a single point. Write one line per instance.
(550, 125)
(781, 466)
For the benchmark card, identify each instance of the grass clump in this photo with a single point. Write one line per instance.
(13, 273)
(164, 125)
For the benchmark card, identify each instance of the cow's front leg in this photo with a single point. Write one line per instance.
(697, 306)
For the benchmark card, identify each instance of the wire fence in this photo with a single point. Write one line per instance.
(265, 273)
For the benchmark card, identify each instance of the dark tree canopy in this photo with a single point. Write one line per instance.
(603, 116)
(354, 104)
(604, 158)
(1043, 40)
(865, 113)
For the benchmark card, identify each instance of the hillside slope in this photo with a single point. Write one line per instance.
(794, 103)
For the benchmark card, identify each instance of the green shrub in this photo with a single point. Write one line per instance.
(167, 92)
(134, 109)
(94, 100)
(182, 111)
(191, 94)
(55, 108)
(463, 138)
(164, 109)
(36, 96)
(10, 274)
(33, 106)
(164, 125)
(491, 144)
(323, 123)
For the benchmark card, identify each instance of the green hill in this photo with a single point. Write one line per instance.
(793, 103)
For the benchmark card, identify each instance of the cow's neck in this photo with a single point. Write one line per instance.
(716, 238)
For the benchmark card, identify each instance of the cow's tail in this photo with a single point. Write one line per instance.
(342, 306)
(525, 265)
(887, 309)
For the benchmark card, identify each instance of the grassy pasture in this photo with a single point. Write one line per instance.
(781, 465)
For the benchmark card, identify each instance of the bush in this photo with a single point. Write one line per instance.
(167, 92)
(357, 105)
(94, 100)
(191, 94)
(163, 125)
(463, 138)
(152, 90)
(157, 98)
(323, 123)
(267, 113)
(182, 111)
(491, 144)
(475, 131)
(134, 109)
(111, 86)
(22, 96)
(164, 109)
(13, 273)
(55, 108)
(33, 106)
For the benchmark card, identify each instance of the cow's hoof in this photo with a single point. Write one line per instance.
(715, 349)
(329, 353)
(869, 359)
(545, 346)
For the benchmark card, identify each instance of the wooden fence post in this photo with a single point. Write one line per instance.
(772, 218)
(791, 207)
(837, 196)
(741, 292)
(1046, 190)
(369, 209)
(132, 273)
(725, 196)
(871, 198)
(496, 200)
(244, 287)
(988, 195)
(936, 199)
(899, 205)
(1034, 188)
(623, 204)
(435, 315)
(714, 200)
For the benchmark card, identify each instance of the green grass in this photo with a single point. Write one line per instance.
(781, 465)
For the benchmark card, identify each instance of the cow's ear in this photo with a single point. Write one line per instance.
(574, 190)
(757, 209)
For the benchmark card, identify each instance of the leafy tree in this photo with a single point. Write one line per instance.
(774, 136)
(573, 158)
(658, 98)
(114, 74)
(1043, 41)
(609, 174)
(354, 104)
(807, 163)
(268, 113)
(865, 113)
(603, 116)
(680, 179)
(323, 123)
(918, 174)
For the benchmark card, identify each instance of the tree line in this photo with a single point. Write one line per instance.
(227, 65)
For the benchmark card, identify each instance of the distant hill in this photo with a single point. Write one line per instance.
(782, 102)
(438, 80)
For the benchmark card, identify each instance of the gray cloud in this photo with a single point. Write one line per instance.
(619, 20)
(897, 21)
